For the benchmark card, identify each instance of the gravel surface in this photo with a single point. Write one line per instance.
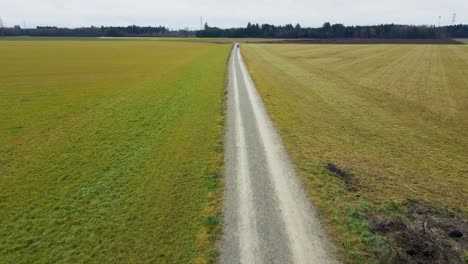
(267, 216)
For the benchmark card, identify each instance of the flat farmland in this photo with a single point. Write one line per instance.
(379, 136)
(110, 151)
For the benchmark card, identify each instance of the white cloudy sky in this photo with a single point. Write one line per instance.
(224, 13)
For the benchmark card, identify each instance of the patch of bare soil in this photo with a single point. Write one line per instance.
(428, 236)
(349, 181)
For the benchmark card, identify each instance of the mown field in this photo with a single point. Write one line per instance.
(110, 151)
(379, 136)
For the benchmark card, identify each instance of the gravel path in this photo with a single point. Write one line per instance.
(268, 217)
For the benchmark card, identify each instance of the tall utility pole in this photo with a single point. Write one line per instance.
(440, 17)
(1, 23)
(454, 18)
(201, 23)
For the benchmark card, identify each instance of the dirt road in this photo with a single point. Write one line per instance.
(268, 217)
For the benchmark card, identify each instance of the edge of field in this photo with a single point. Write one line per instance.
(208, 239)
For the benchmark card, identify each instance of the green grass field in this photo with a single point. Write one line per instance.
(462, 40)
(110, 151)
(392, 118)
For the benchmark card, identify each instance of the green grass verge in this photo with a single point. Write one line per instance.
(393, 118)
(110, 151)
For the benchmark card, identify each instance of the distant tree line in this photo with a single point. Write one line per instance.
(129, 31)
(337, 31)
(388, 31)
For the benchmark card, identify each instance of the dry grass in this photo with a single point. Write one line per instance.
(110, 151)
(392, 116)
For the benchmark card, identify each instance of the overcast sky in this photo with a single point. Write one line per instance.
(223, 13)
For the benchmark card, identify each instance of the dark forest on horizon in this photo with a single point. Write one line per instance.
(326, 31)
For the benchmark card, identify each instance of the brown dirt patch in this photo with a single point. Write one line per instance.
(347, 178)
(427, 236)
